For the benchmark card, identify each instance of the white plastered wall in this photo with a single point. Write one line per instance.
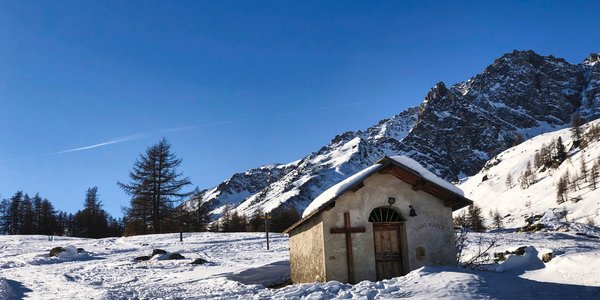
(431, 229)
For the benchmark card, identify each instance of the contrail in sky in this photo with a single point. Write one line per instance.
(141, 136)
(177, 129)
(115, 141)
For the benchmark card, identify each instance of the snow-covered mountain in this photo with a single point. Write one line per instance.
(298, 182)
(521, 93)
(489, 188)
(453, 133)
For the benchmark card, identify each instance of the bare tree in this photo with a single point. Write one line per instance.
(576, 122)
(561, 189)
(509, 181)
(481, 259)
(583, 168)
(594, 176)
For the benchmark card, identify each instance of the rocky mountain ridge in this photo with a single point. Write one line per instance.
(453, 133)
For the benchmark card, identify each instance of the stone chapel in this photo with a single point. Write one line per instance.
(382, 222)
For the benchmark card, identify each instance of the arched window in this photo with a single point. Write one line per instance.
(385, 214)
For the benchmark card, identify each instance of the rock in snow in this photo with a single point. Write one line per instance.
(520, 263)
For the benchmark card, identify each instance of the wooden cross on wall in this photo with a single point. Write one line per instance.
(348, 231)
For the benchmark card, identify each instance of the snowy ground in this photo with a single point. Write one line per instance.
(241, 267)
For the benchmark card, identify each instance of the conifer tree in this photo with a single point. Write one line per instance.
(560, 152)
(197, 216)
(460, 221)
(256, 222)
(594, 176)
(594, 132)
(13, 216)
(546, 155)
(225, 220)
(48, 223)
(538, 161)
(583, 168)
(509, 181)
(92, 221)
(576, 122)
(528, 177)
(4, 222)
(214, 226)
(561, 190)
(154, 186)
(26, 216)
(237, 222)
(475, 219)
(283, 217)
(518, 139)
(496, 219)
(574, 183)
(37, 212)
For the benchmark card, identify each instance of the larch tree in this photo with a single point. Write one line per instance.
(27, 216)
(594, 176)
(475, 219)
(460, 221)
(496, 219)
(200, 214)
(583, 168)
(560, 152)
(155, 185)
(576, 132)
(283, 217)
(47, 220)
(37, 213)
(92, 221)
(509, 181)
(562, 189)
(13, 214)
(4, 221)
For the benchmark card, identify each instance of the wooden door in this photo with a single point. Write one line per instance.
(388, 249)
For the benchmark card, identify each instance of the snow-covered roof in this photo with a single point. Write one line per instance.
(426, 174)
(339, 188)
(417, 173)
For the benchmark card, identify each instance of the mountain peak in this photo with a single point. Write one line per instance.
(439, 90)
(528, 58)
(592, 59)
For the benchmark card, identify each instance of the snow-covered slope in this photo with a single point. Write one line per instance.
(489, 189)
(239, 267)
(454, 132)
(299, 182)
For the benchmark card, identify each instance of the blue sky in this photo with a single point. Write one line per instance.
(234, 84)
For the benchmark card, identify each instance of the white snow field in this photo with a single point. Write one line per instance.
(240, 268)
